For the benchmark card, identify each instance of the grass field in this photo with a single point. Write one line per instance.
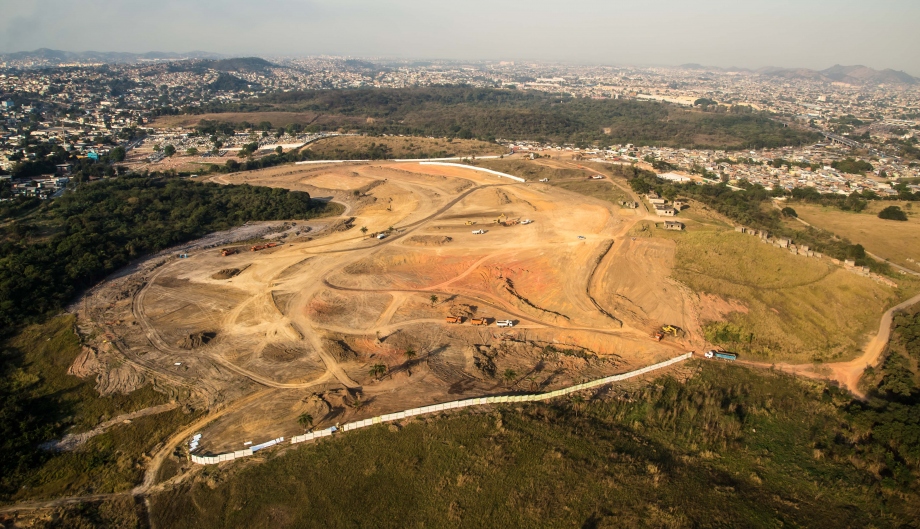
(532, 169)
(601, 189)
(402, 147)
(890, 239)
(799, 309)
(729, 447)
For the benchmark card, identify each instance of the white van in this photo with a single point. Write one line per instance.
(505, 323)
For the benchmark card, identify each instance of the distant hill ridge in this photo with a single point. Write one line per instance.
(853, 75)
(63, 57)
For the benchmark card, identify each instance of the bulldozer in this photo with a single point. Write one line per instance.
(470, 222)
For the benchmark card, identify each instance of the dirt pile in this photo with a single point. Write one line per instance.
(226, 273)
(197, 339)
(428, 240)
(281, 354)
(340, 350)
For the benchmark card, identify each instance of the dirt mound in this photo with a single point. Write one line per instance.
(340, 350)
(428, 240)
(226, 273)
(280, 353)
(197, 339)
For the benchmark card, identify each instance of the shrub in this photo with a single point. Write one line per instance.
(892, 213)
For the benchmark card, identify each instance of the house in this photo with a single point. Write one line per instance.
(663, 210)
(673, 225)
(657, 201)
(680, 204)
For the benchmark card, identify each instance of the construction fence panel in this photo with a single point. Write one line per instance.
(208, 460)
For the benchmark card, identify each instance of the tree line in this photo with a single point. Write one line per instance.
(81, 237)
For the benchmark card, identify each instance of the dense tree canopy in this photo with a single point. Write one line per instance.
(85, 235)
(464, 112)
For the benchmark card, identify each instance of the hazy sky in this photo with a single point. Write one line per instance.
(749, 33)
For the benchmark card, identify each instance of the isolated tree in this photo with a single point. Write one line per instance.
(191, 151)
(279, 150)
(434, 299)
(364, 230)
(789, 212)
(578, 403)
(410, 354)
(378, 370)
(157, 148)
(306, 421)
(169, 150)
(357, 404)
(391, 228)
(509, 375)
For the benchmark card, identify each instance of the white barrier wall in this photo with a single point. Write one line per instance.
(389, 417)
(474, 168)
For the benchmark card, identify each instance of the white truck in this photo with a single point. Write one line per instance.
(505, 323)
(526, 221)
(478, 232)
(598, 177)
(381, 236)
(544, 179)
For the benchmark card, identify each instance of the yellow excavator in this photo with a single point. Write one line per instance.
(672, 329)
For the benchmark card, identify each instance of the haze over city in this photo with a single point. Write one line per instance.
(752, 34)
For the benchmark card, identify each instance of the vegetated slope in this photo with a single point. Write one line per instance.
(85, 235)
(487, 114)
(798, 309)
(728, 447)
(40, 402)
(380, 148)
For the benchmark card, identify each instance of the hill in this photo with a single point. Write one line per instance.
(487, 114)
(240, 64)
(49, 57)
(853, 75)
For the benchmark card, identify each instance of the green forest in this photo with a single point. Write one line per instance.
(487, 114)
(79, 238)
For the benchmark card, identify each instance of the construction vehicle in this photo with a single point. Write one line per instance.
(501, 218)
(454, 319)
(479, 321)
(511, 222)
(672, 329)
(526, 221)
(658, 336)
(260, 247)
(504, 323)
(228, 251)
(721, 355)
(470, 222)
(544, 179)
(598, 177)
(478, 232)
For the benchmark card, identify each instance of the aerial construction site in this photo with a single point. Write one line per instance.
(436, 283)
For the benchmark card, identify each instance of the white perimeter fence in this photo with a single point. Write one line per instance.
(435, 408)
(473, 167)
(398, 160)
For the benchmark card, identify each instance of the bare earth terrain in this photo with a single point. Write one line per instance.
(304, 322)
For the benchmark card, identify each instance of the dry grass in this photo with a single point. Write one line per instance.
(799, 309)
(277, 119)
(405, 146)
(892, 240)
(533, 169)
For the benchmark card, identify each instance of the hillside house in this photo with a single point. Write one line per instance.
(673, 225)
